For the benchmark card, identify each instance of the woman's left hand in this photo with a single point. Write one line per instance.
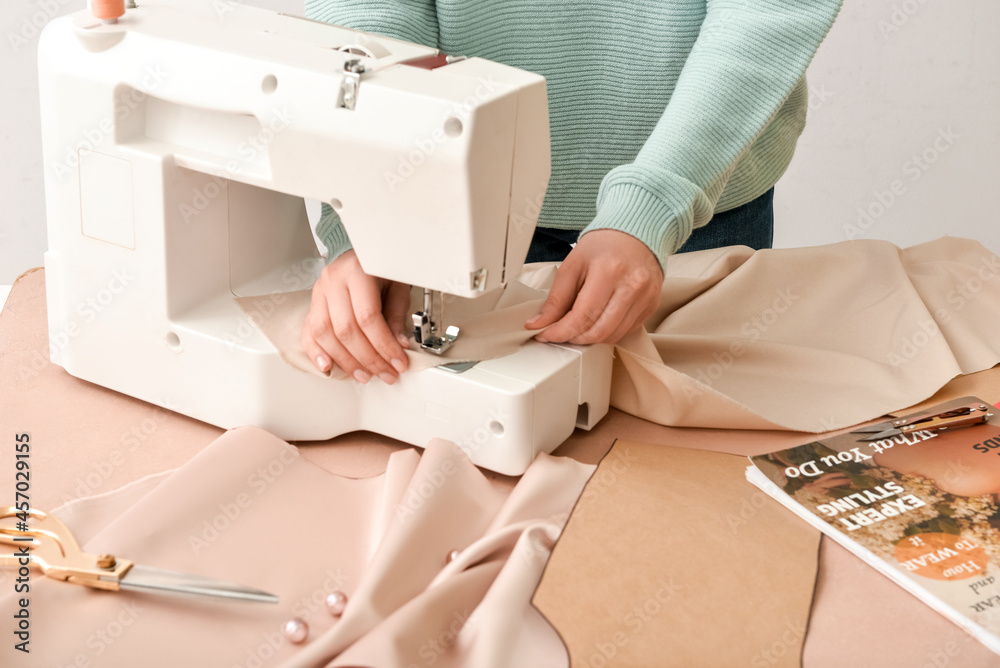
(607, 286)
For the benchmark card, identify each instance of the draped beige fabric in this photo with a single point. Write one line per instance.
(491, 327)
(249, 509)
(89, 440)
(805, 339)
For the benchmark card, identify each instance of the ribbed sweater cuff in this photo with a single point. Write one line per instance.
(331, 232)
(662, 218)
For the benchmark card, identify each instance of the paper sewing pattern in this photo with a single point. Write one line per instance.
(688, 566)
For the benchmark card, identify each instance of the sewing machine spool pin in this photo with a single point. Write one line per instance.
(108, 11)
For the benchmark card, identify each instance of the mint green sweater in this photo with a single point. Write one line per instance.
(661, 112)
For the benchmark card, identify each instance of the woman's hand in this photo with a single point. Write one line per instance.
(357, 322)
(608, 285)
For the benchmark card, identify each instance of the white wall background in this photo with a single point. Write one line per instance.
(905, 96)
(904, 126)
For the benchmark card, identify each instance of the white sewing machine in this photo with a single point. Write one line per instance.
(179, 142)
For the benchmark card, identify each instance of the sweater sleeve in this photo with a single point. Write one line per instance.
(408, 20)
(748, 57)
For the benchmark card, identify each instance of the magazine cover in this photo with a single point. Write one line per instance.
(916, 499)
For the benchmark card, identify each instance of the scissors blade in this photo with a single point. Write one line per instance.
(877, 431)
(143, 578)
(886, 433)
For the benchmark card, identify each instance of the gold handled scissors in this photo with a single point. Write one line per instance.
(49, 544)
(967, 415)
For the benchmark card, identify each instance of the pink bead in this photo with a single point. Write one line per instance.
(336, 602)
(452, 556)
(296, 630)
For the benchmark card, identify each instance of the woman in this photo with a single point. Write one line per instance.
(665, 114)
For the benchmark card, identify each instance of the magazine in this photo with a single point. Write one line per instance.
(920, 505)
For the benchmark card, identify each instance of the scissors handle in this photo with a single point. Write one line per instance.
(962, 416)
(49, 544)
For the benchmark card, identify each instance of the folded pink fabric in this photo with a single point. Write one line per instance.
(248, 509)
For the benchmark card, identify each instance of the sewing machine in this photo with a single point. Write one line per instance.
(179, 141)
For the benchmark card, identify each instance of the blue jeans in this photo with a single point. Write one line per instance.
(751, 224)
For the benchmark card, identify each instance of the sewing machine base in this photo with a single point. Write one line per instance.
(502, 412)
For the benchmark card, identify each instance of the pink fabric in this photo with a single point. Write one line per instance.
(78, 428)
(248, 509)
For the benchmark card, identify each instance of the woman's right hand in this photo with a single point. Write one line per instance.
(357, 322)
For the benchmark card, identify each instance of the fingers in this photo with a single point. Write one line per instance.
(639, 297)
(561, 295)
(608, 285)
(317, 334)
(312, 329)
(595, 318)
(346, 326)
(635, 317)
(396, 308)
(586, 313)
(359, 326)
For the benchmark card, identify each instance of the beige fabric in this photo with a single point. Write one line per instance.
(83, 435)
(806, 339)
(487, 325)
(248, 509)
(812, 339)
